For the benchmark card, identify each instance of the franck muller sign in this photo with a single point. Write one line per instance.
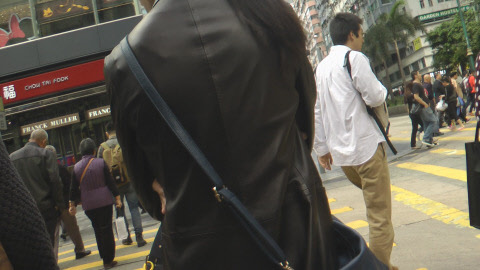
(51, 82)
(51, 123)
(98, 112)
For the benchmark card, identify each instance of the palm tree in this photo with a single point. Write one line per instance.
(401, 26)
(377, 38)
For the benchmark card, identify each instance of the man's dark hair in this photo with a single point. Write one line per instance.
(87, 147)
(446, 78)
(453, 74)
(413, 73)
(109, 127)
(341, 26)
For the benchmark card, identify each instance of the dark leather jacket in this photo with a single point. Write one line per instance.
(39, 171)
(229, 93)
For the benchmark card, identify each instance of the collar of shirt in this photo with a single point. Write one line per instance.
(342, 124)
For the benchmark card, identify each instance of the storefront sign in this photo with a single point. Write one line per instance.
(439, 14)
(55, 10)
(98, 112)
(417, 44)
(51, 123)
(52, 82)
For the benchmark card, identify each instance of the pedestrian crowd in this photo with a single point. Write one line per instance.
(236, 77)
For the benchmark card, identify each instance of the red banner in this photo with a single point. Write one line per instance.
(52, 82)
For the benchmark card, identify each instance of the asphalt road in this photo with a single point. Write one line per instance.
(430, 209)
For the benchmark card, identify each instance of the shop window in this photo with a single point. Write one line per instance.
(406, 71)
(109, 10)
(57, 16)
(415, 66)
(422, 4)
(15, 22)
(430, 3)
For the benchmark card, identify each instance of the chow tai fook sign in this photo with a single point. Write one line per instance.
(52, 82)
(98, 112)
(51, 123)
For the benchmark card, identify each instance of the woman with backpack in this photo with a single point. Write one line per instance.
(93, 186)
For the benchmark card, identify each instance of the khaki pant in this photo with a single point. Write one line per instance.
(71, 226)
(373, 177)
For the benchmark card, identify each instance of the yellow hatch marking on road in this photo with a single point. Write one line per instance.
(95, 244)
(118, 259)
(449, 152)
(332, 200)
(357, 224)
(422, 269)
(478, 236)
(435, 210)
(341, 210)
(436, 170)
(394, 245)
(71, 258)
(463, 139)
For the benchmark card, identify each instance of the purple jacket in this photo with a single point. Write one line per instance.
(97, 186)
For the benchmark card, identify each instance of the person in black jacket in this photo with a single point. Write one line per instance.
(39, 171)
(439, 92)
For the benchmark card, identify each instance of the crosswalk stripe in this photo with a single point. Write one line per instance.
(331, 200)
(357, 224)
(449, 152)
(340, 210)
(436, 170)
(435, 210)
(95, 244)
(118, 259)
(71, 258)
(463, 139)
(478, 236)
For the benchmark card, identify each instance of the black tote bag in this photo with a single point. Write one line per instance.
(472, 151)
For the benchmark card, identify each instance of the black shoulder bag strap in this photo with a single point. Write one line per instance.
(221, 192)
(369, 109)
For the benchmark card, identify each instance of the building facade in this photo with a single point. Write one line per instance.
(51, 75)
(307, 11)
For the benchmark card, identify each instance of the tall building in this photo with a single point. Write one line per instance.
(51, 75)
(307, 11)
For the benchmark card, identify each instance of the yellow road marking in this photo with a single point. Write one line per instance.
(449, 152)
(95, 244)
(422, 269)
(436, 170)
(71, 258)
(118, 259)
(463, 139)
(435, 210)
(340, 210)
(357, 224)
(478, 236)
(331, 200)
(394, 244)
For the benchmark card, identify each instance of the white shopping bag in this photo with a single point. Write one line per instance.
(121, 228)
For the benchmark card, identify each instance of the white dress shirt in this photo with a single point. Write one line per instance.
(342, 125)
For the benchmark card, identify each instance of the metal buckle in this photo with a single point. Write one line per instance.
(286, 266)
(217, 195)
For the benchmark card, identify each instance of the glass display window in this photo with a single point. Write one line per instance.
(15, 22)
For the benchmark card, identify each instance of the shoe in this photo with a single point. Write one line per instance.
(127, 241)
(467, 120)
(416, 147)
(435, 140)
(110, 265)
(63, 236)
(429, 145)
(140, 241)
(460, 128)
(79, 255)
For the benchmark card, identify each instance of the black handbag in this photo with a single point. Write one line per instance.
(416, 109)
(472, 151)
(352, 251)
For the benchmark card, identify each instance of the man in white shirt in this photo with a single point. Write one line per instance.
(346, 135)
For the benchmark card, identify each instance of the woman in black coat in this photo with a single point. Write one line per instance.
(236, 74)
(451, 99)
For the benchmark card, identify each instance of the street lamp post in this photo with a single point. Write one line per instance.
(469, 49)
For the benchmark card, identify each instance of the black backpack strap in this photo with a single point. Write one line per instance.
(266, 243)
(370, 111)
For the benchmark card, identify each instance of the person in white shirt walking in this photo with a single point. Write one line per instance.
(346, 135)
